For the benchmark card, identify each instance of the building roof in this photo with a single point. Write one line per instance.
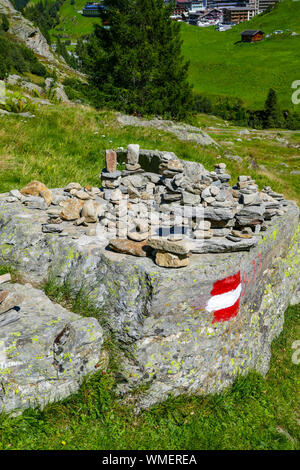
(240, 9)
(252, 32)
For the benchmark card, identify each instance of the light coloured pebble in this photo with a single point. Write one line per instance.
(70, 186)
(82, 195)
(209, 200)
(204, 225)
(214, 190)
(137, 236)
(206, 193)
(205, 234)
(11, 199)
(16, 193)
(116, 195)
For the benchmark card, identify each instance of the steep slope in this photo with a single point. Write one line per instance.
(221, 65)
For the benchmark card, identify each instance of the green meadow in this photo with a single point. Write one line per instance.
(46, 148)
(72, 23)
(220, 65)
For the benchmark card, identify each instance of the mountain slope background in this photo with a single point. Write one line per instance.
(221, 65)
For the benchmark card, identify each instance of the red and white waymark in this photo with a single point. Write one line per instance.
(225, 298)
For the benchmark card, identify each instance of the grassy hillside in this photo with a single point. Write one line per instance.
(47, 149)
(220, 64)
(72, 24)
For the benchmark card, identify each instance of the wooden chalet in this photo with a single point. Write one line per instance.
(250, 35)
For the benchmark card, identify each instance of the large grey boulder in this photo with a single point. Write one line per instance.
(45, 350)
(175, 341)
(57, 89)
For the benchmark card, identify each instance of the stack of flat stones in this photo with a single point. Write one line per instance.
(70, 211)
(151, 203)
(172, 252)
(184, 205)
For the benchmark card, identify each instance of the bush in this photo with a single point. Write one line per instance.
(17, 103)
(86, 93)
(3, 71)
(202, 104)
(233, 109)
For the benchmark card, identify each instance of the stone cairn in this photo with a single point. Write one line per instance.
(182, 209)
(170, 212)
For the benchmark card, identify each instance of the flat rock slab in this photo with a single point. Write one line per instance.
(181, 131)
(45, 350)
(180, 338)
(130, 247)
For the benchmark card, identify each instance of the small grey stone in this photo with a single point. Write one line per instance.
(133, 154)
(16, 193)
(110, 176)
(190, 199)
(52, 228)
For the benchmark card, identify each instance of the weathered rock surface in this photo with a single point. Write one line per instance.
(182, 131)
(25, 31)
(45, 350)
(162, 315)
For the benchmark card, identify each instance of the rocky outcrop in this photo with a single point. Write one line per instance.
(57, 90)
(181, 131)
(193, 275)
(45, 350)
(25, 31)
(181, 337)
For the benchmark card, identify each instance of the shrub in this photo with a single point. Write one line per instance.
(17, 103)
(77, 90)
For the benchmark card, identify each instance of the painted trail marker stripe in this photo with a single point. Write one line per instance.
(227, 313)
(225, 298)
(227, 284)
(223, 301)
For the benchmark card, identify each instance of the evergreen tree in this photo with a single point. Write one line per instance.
(273, 115)
(136, 60)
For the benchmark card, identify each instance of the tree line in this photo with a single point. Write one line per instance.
(233, 109)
